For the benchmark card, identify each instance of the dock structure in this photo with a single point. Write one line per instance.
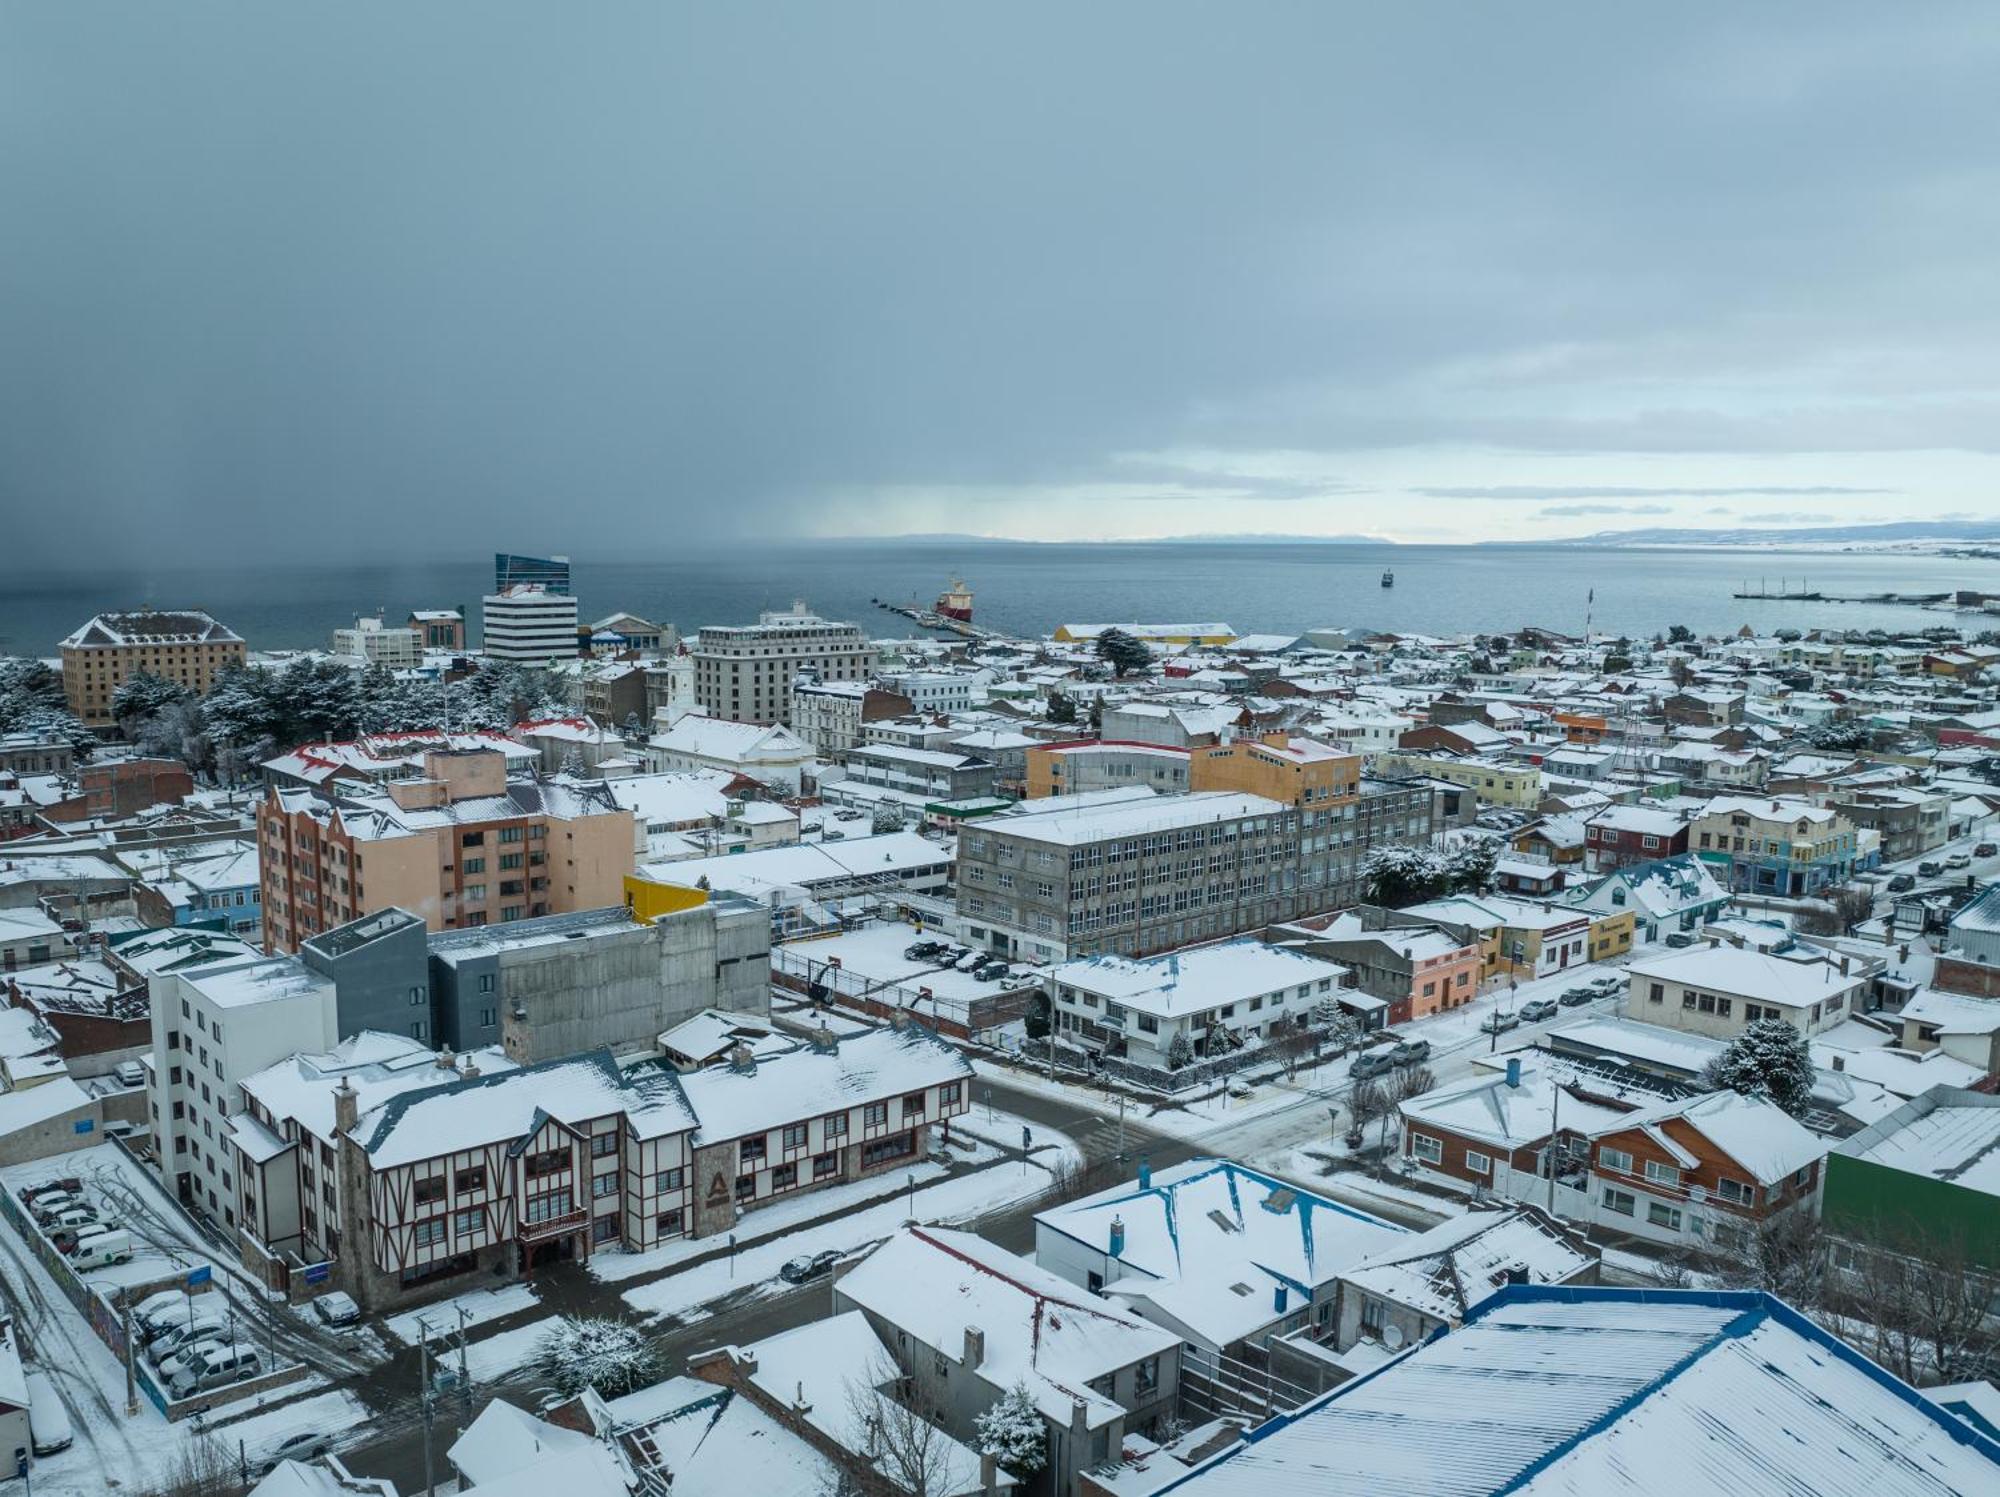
(1805, 594)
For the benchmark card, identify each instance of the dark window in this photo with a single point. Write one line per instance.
(825, 1166)
(784, 1177)
(469, 1180)
(752, 1150)
(430, 1189)
(549, 1162)
(884, 1149)
(746, 1187)
(603, 1145)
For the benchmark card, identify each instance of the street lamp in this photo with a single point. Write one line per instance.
(913, 1195)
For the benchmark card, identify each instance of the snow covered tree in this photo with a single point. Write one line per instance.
(1839, 737)
(1222, 1040)
(1180, 1052)
(142, 694)
(1061, 708)
(1469, 863)
(1014, 1434)
(1122, 652)
(888, 818)
(587, 1351)
(32, 701)
(572, 762)
(1403, 874)
(1768, 1059)
(1680, 634)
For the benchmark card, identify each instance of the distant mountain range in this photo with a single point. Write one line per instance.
(1896, 530)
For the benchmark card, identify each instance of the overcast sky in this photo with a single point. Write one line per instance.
(345, 279)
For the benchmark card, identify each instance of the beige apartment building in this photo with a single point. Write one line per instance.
(462, 846)
(744, 672)
(184, 646)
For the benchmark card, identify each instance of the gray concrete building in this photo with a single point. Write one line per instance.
(598, 979)
(380, 969)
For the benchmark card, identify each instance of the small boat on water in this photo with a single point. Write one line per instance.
(1388, 579)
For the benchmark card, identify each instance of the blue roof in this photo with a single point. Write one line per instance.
(1549, 1389)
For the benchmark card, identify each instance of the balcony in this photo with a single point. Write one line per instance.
(552, 1226)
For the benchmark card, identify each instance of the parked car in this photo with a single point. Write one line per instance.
(971, 960)
(69, 1186)
(307, 1446)
(920, 951)
(1678, 938)
(52, 1205)
(336, 1309)
(48, 1418)
(129, 1073)
(1902, 883)
(70, 1219)
(217, 1367)
(1986, 850)
(1379, 1061)
(156, 1312)
(1537, 1009)
(805, 1268)
(1577, 997)
(991, 971)
(202, 1320)
(103, 1249)
(1959, 860)
(1929, 869)
(1610, 985)
(191, 1351)
(68, 1239)
(1412, 1052)
(1499, 1021)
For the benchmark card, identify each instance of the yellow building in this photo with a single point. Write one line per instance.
(1492, 781)
(1611, 935)
(1149, 634)
(186, 647)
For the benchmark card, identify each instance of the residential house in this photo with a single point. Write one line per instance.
(973, 1321)
(1621, 836)
(1222, 1255)
(769, 753)
(1780, 847)
(1415, 970)
(1673, 894)
(1715, 990)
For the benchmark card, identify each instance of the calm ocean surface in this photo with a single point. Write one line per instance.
(1030, 589)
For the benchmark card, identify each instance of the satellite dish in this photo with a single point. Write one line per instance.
(1392, 1336)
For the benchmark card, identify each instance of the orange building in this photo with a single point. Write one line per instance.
(462, 846)
(1583, 727)
(1297, 771)
(186, 647)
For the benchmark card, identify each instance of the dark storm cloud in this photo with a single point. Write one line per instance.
(340, 280)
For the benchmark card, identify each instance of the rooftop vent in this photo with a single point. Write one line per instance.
(1279, 1201)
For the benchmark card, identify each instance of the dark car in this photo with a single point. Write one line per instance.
(803, 1269)
(1929, 870)
(1537, 1009)
(922, 951)
(1371, 1063)
(1576, 997)
(1986, 849)
(1902, 883)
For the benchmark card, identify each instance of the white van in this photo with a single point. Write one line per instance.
(103, 1250)
(48, 1420)
(216, 1367)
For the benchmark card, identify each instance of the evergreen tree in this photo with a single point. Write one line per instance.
(142, 694)
(1180, 1051)
(1014, 1433)
(1122, 652)
(1768, 1059)
(1402, 874)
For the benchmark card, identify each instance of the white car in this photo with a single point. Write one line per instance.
(336, 1309)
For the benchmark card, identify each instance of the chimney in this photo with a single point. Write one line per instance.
(989, 1473)
(1145, 1173)
(1843, 966)
(1839, 1061)
(1079, 1418)
(741, 1060)
(446, 1061)
(1278, 1299)
(469, 1070)
(824, 1040)
(346, 1106)
(975, 1347)
(1513, 1070)
(1117, 1237)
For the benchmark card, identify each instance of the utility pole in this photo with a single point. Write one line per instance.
(1121, 1130)
(1555, 1111)
(464, 1377)
(131, 1362)
(429, 1409)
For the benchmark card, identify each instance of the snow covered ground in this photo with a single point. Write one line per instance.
(479, 1305)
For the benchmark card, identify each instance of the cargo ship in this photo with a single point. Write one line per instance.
(955, 602)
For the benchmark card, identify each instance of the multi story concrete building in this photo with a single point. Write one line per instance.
(379, 966)
(214, 1024)
(439, 628)
(550, 573)
(1496, 782)
(184, 646)
(832, 716)
(745, 672)
(1911, 819)
(466, 845)
(598, 979)
(1089, 764)
(1781, 847)
(918, 775)
(938, 691)
(528, 626)
(370, 640)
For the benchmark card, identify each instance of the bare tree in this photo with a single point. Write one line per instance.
(1405, 1083)
(203, 1467)
(897, 1421)
(1367, 1101)
(1924, 1304)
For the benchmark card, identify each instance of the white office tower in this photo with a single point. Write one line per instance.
(530, 625)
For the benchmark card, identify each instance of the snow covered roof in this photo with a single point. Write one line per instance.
(709, 1441)
(145, 627)
(1549, 1390)
(805, 1083)
(701, 737)
(1040, 1330)
(1209, 1241)
(275, 979)
(299, 1088)
(1447, 1270)
(1947, 1134)
(29, 1106)
(1199, 978)
(508, 1106)
(504, 1439)
(1952, 1013)
(805, 864)
(1133, 818)
(385, 754)
(1487, 1108)
(1750, 974)
(1758, 1134)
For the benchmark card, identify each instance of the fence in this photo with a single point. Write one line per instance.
(1215, 1385)
(1194, 1075)
(967, 1018)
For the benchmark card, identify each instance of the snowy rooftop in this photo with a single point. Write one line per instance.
(1134, 818)
(1041, 1331)
(677, 798)
(1199, 978)
(275, 979)
(1584, 1391)
(1759, 1135)
(712, 1442)
(1486, 1107)
(718, 738)
(773, 868)
(1455, 1265)
(1749, 974)
(1209, 1241)
(878, 1064)
(378, 1066)
(1946, 1134)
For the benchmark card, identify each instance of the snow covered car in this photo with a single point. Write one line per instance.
(304, 1447)
(803, 1269)
(1959, 860)
(1537, 1009)
(336, 1309)
(1498, 1021)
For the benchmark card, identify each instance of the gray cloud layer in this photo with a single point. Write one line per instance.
(346, 279)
